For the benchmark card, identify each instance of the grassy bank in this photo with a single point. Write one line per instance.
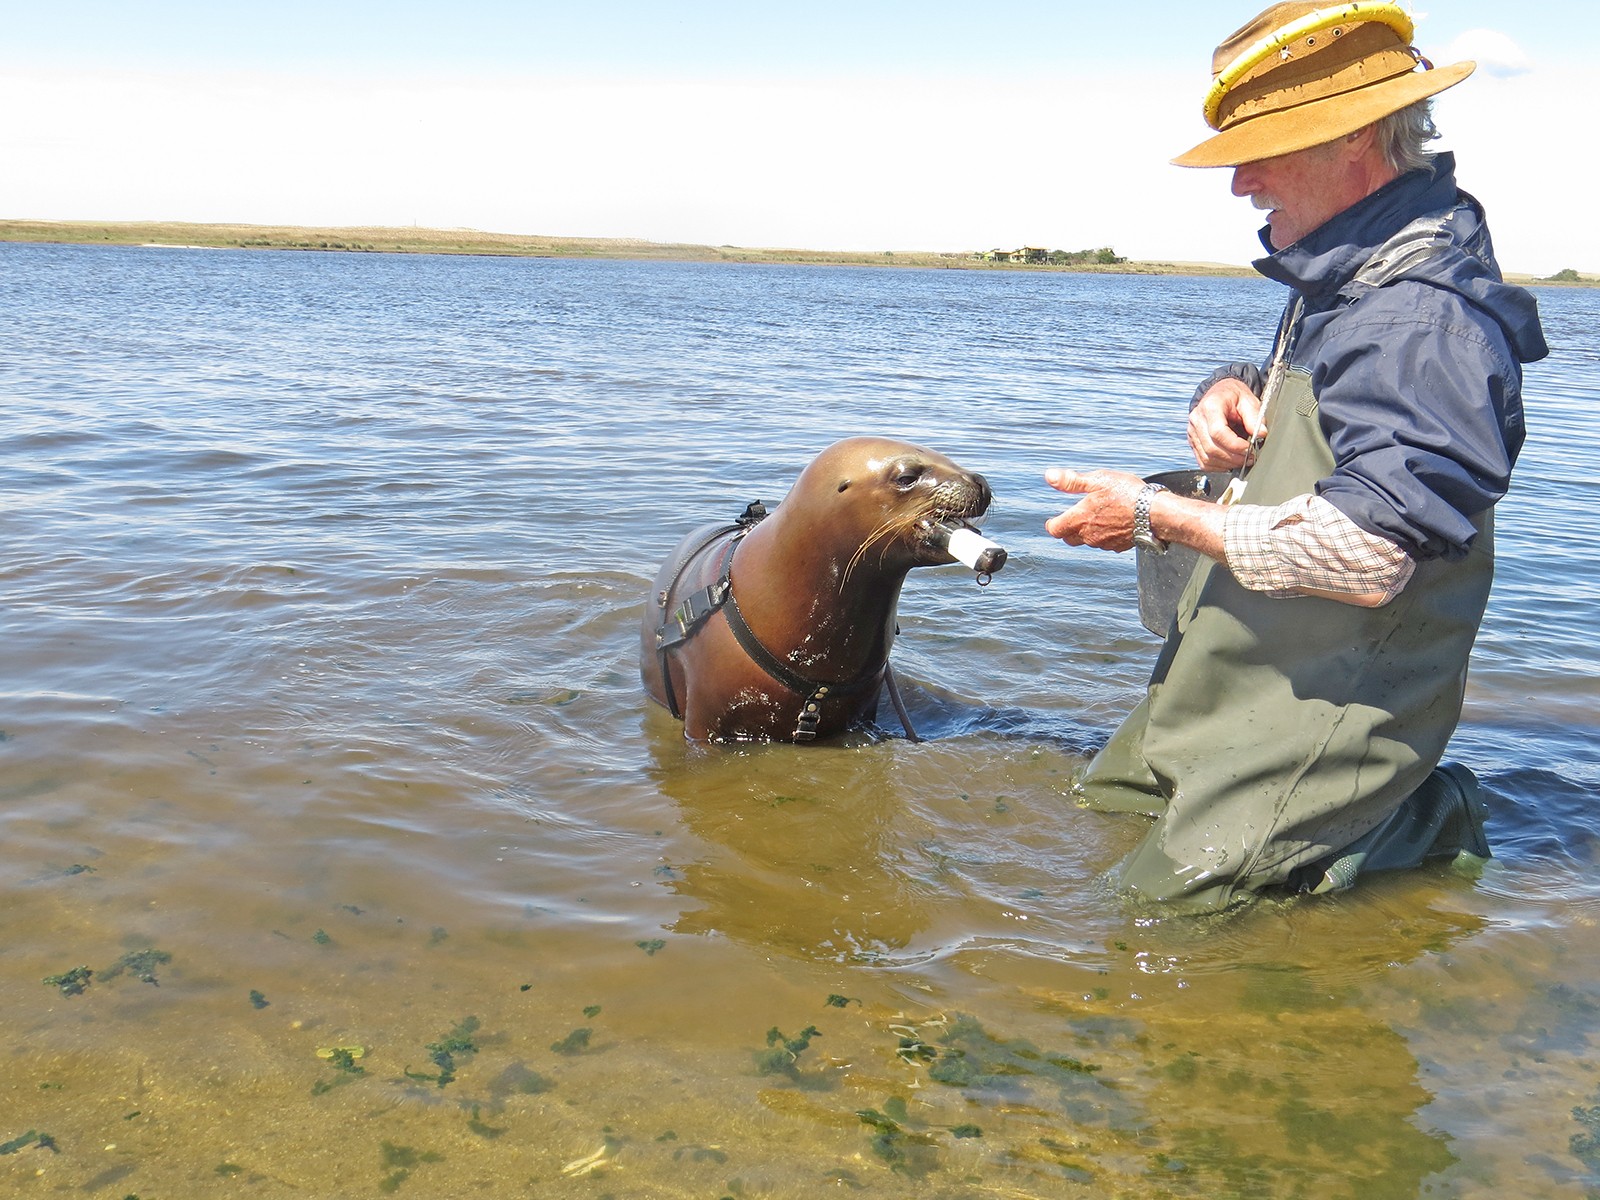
(412, 240)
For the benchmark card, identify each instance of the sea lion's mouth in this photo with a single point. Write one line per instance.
(963, 542)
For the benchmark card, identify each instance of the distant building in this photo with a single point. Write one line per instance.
(1035, 255)
(1024, 254)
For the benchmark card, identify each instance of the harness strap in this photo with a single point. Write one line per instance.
(814, 694)
(695, 608)
(691, 614)
(693, 611)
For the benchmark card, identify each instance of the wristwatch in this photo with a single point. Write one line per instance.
(1142, 535)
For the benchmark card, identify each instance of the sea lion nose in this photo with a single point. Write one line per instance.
(985, 494)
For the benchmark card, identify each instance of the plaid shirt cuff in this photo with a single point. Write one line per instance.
(1308, 543)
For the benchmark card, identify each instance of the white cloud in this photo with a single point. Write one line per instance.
(1492, 50)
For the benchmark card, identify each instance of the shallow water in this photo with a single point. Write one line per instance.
(321, 730)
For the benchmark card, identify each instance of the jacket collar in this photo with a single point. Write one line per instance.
(1323, 261)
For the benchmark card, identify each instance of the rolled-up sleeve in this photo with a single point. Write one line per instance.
(1308, 544)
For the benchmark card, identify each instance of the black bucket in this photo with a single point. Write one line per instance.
(1162, 577)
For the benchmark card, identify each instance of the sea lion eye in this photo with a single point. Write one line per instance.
(906, 475)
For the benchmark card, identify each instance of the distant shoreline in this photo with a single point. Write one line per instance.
(415, 240)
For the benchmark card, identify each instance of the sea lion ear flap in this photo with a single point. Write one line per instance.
(844, 484)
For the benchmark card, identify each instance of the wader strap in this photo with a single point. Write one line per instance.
(1282, 352)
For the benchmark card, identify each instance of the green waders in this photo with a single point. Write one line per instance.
(1287, 740)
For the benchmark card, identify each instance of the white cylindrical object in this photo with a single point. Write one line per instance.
(976, 551)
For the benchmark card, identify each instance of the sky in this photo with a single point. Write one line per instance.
(829, 125)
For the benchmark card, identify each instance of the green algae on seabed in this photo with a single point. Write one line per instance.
(71, 983)
(399, 1161)
(782, 1056)
(1585, 1146)
(32, 1137)
(343, 1060)
(907, 1151)
(575, 1042)
(142, 963)
(443, 1052)
(973, 1056)
(476, 1124)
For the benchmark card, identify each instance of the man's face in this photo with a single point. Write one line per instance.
(1300, 190)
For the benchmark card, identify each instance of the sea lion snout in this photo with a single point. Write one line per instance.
(962, 496)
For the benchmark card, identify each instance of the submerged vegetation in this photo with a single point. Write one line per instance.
(575, 1042)
(71, 983)
(444, 1052)
(32, 1138)
(782, 1055)
(142, 963)
(400, 1161)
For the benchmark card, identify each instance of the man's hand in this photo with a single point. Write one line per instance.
(1221, 424)
(1104, 517)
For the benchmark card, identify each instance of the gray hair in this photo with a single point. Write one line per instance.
(1403, 136)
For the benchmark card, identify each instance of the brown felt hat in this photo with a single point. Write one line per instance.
(1302, 74)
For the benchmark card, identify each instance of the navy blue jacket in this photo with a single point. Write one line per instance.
(1418, 381)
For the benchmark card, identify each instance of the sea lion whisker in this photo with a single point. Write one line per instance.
(861, 550)
(884, 533)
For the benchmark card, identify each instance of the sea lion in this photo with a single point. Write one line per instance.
(778, 627)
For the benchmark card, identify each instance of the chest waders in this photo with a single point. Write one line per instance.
(1277, 732)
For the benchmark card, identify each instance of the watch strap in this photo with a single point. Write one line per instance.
(1143, 535)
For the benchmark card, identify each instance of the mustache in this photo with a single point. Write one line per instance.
(1265, 203)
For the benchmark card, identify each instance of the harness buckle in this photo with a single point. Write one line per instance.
(805, 726)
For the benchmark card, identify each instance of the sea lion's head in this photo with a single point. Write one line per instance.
(890, 497)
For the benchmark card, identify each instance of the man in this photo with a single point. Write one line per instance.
(1300, 706)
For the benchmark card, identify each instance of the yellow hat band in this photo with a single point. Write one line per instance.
(1309, 25)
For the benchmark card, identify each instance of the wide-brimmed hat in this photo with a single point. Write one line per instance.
(1302, 74)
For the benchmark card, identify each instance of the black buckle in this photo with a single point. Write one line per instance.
(805, 726)
(691, 614)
